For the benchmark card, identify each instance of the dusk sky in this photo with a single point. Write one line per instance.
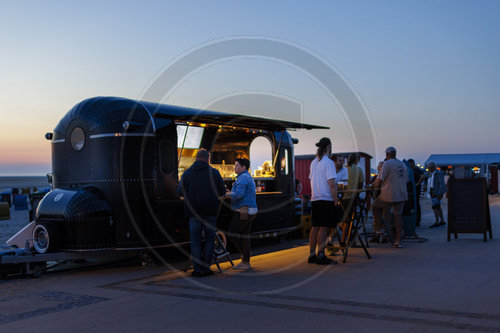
(426, 72)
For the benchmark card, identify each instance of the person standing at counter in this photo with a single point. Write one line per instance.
(324, 201)
(201, 186)
(244, 205)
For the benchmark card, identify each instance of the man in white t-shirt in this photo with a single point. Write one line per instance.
(323, 201)
(392, 180)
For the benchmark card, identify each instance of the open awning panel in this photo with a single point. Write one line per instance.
(180, 113)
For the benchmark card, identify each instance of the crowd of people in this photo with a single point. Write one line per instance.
(204, 191)
(388, 190)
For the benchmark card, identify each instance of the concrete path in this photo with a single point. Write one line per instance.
(432, 286)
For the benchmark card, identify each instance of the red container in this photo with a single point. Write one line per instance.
(303, 163)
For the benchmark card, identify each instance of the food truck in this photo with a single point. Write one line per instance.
(116, 164)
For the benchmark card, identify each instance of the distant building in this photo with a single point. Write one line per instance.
(302, 163)
(470, 165)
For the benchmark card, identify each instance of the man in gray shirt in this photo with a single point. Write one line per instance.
(392, 180)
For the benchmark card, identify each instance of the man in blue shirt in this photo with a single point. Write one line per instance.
(201, 186)
(244, 205)
(436, 188)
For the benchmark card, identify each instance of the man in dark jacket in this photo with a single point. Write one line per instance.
(418, 178)
(201, 186)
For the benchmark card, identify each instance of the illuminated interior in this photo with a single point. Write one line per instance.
(187, 159)
(261, 158)
(226, 144)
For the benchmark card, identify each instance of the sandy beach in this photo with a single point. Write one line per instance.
(18, 218)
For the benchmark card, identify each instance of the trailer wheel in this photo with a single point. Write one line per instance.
(45, 238)
(220, 242)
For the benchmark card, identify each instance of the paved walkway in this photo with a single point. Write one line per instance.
(433, 286)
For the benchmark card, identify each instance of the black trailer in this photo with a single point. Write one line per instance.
(116, 164)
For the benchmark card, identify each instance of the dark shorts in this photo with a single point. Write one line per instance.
(324, 214)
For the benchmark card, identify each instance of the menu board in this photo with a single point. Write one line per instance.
(468, 207)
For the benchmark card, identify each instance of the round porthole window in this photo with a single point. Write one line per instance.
(77, 138)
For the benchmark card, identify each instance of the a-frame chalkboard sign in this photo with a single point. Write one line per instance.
(468, 207)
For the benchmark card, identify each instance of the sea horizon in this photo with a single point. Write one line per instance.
(23, 181)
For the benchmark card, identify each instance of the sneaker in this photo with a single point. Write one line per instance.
(312, 259)
(442, 223)
(331, 250)
(323, 260)
(197, 274)
(397, 245)
(242, 267)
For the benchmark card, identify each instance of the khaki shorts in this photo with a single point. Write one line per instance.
(397, 207)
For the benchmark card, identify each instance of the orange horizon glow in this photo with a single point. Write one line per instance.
(28, 152)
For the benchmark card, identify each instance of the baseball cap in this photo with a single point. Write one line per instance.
(390, 150)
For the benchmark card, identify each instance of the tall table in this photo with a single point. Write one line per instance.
(354, 212)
